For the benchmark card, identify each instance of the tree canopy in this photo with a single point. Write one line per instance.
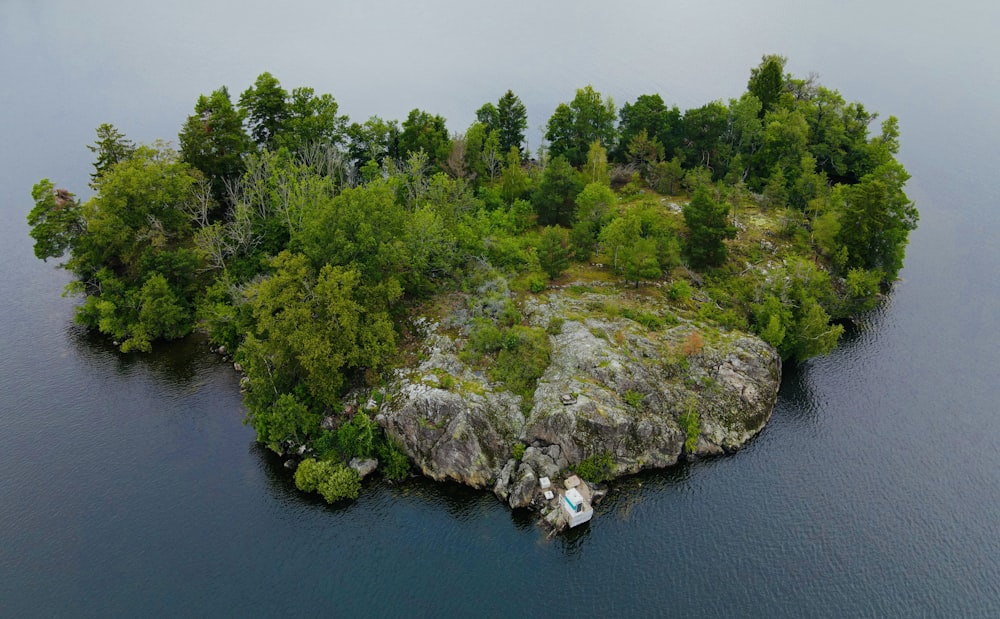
(301, 240)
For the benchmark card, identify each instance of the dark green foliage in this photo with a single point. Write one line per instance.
(213, 141)
(112, 147)
(661, 125)
(877, 220)
(708, 225)
(509, 118)
(356, 437)
(392, 459)
(596, 468)
(574, 127)
(554, 199)
(266, 107)
(553, 251)
(426, 132)
(767, 81)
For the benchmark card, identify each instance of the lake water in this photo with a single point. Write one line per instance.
(130, 487)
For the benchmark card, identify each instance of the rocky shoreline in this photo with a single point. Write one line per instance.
(616, 395)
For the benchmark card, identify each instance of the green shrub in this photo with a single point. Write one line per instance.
(342, 482)
(634, 398)
(679, 291)
(518, 451)
(392, 460)
(596, 468)
(691, 425)
(523, 360)
(536, 283)
(649, 320)
(332, 480)
(555, 325)
(356, 438)
(485, 337)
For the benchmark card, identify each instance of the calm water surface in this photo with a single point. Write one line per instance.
(130, 487)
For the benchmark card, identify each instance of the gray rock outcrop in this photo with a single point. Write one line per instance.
(634, 393)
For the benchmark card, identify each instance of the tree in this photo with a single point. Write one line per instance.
(596, 168)
(791, 316)
(111, 147)
(511, 122)
(212, 140)
(56, 220)
(374, 140)
(704, 128)
(767, 81)
(311, 121)
(556, 192)
(266, 107)
(332, 480)
(574, 127)
(553, 251)
(649, 113)
(311, 330)
(423, 131)
(708, 225)
(877, 220)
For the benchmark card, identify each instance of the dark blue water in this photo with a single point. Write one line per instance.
(130, 487)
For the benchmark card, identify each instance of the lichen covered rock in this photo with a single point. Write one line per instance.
(613, 387)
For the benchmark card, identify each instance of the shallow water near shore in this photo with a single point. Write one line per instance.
(130, 487)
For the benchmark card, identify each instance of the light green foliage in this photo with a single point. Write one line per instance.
(679, 291)
(286, 420)
(517, 452)
(634, 398)
(791, 317)
(56, 220)
(691, 424)
(595, 170)
(333, 481)
(596, 468)
(555, 325)
(514, 181)
(553, 251)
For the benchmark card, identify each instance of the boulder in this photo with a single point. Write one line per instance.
(363, 466)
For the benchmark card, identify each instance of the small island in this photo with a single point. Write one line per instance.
(533, 323)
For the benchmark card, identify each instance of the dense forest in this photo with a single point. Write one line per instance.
(302, 242)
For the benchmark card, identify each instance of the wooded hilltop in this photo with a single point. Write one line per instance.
(323, 253)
